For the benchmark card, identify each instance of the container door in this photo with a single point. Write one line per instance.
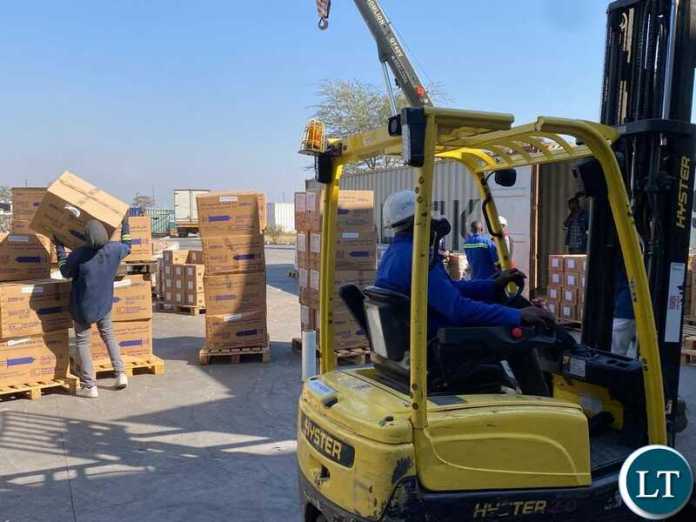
(182, 206)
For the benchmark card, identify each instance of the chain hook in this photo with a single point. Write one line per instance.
(323, 23)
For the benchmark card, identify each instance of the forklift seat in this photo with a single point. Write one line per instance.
(460, 360)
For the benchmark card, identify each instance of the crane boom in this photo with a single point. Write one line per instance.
(390, 50)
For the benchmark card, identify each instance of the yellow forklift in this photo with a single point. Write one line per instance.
(408, 440)
(427, 432)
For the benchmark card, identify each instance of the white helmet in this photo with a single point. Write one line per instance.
(399, 209)
(503, 221)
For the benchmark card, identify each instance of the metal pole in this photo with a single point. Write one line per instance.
(669, 65)
(390, 90)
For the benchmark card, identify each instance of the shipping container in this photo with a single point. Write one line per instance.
(186, 210)
(281, 215)
(534, 208)
(161, 218)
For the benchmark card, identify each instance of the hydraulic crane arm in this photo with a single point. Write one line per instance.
(390, 50)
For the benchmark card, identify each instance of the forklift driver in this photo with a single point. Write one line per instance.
(450, 303)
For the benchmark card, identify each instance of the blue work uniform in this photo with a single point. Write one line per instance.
(482, 256)
(450, 303)
(92, 272)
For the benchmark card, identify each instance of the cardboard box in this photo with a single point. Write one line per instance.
(572, 280)
(172, 257)
(140, 228)
(347, 331)
(236, 330)
(25, 360)
(194, 276)
(134, 338)
(194, 298)
(195, 257)
(235, 293)
(556, 263)
(570, 296)
(234, 254)
(310, 296)
(355, 209)
(70, 202)
(24, 256)
(554, 293)
(302, 248)
(574, 263)
(300, 211)
(25, 201)
(313, 211)
(568, 312)
(554, 307)
(307, 318)
(303, 285)
(132, 299)
(356, 249)
(556, 278)
(33, 308)
(222, 214)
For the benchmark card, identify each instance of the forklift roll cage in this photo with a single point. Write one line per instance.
(484, 143)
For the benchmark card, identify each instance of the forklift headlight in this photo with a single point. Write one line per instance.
(413, 136)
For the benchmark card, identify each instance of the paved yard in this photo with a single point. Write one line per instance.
(196, 444)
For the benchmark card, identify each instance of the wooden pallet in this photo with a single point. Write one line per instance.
(357, 356)
(34, 390)
(140, 267)
(688, 357)
(133, 366)
(234, 355)
(180, 309)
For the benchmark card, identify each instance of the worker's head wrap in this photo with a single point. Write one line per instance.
(95, 234)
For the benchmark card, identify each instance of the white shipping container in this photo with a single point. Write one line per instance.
(456, 197)
(185, 208)
(281, 215)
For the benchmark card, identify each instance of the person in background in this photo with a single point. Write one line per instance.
(450, 303)
(576, 225)
(92, 268)
(623, 335)
(480, 253)
(506, 235)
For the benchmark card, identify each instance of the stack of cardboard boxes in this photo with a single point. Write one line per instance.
(355, 258)
(565, 294)
(132, 322)
(231, 226)
(34, 348)
(140, 230)
(181, 280)
(34, 311)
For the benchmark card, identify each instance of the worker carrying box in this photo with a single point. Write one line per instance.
(92, 268)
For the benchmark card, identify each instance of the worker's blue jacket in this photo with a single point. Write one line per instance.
(92, 272)
(482, 256)
(450, 303)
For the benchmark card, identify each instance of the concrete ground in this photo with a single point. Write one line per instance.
(196, 444)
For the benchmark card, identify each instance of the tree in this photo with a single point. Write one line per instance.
(5, 193)
(351, 106)
(143, 201)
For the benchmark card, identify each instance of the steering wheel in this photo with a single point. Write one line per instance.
(513, 295)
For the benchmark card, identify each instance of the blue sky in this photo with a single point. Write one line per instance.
(133, 95)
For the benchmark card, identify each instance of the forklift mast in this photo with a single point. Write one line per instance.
(647, 93)
(389, 49)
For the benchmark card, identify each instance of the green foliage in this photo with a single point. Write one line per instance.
(5, 193)
(143, 201)
(351, 106)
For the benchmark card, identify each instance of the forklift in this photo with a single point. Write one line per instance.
(427, 432)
